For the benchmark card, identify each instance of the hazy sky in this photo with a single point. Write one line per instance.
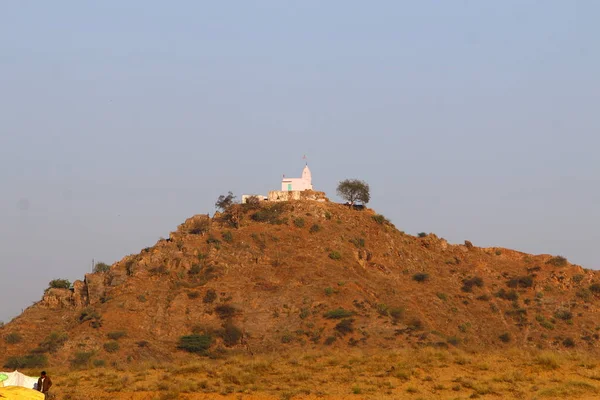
(473, 119)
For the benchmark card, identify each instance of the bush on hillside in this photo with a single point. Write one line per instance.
(558, 261)
(59, 284)
(13, 338)
(338, 313)
(230, 334)
(315, 228)
(198, 344)
(595, 287)
(28, 361)
(422, 234)
(193, 295)
(565, 315)
(209, 296)
(116, 335)
(345, 326)
(299, 222)
(380, 219)
(197, 226)
(469, 284)
(270, 214)
(335, 255)
(227, 236)
(358, 242)
(521, 282)
(568, 342)
(225, 311)
(101, 267)
(81, 359)
(53, 342)
(511, 295)
(420, 277)
(111, 347)
(505, 337)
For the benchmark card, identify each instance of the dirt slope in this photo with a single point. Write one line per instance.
(307, 274)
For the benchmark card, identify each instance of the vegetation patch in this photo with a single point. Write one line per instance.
(81, 359)
(116, 335)
(28, 361)
(270, 214)
(59, 284)
(470, 283)
(227, 236)
(52, 342)
(345, 326)
(230, 334)
(338, 313)
(209, 296)
(315, 228)
(111, 347)
(299, 222)
(198, 344)
(225, 311)
(521, 282)
(335, 255)
(507, 295)
(558, 261)
(13, 338)
(358, 242)
(421, 277)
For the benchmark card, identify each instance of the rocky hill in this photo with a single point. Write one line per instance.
(270, 276)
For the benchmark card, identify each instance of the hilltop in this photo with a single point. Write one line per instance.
(305, 275)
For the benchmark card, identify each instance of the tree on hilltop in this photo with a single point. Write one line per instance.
(353, 190)
(224, 202)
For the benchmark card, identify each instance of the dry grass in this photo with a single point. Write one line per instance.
(425, 373)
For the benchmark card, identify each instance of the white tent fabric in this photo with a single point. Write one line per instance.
(18, 379)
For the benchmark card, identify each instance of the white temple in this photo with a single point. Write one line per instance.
(298, 184)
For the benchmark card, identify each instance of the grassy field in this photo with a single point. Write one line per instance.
(412, 374)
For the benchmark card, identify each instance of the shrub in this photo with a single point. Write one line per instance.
(116, 335)
(358, 242)
(53, 342)
(59, 284)
(195, 269)
(422, 234)
(101, 267)
(453, 340)
(558, 261)
(209, 296)
(442, 296)
(397, 313)
(81, 359)
(329, 291)
(99, 363)
(299, 222)
(225, 311)
(578, 278)
(565, 315)
(13, 338)
(329, 341)
(304, 313)
(28, 361)
(484, 297)
(338, 313)
(568, 342)
(89, 314)
(510, 295)
(198, 226)
(505, 337)
(195, 343)
(287, 338)
(345, 326)
(335, 255)
(468, 284)
(595, 287)
(227, 236)
(111, 347)
(584, 294)
(162, 270)
(270, 214)
(193, 295)
(420, 277)
(230, 334)
(315, 228)
(214, 241)
(380, 219)
(521, 282)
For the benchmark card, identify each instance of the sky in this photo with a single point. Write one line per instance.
(474, 120)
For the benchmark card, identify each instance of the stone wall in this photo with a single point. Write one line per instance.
(281, 195)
